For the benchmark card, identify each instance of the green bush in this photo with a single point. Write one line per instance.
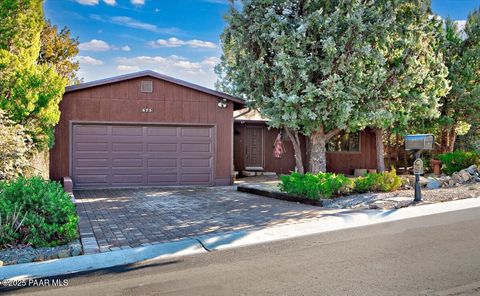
(383, 182)
(316, 186)
(458, 160)
(35, 212)
(327, 185)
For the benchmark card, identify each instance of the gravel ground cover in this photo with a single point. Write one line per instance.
(29, 254)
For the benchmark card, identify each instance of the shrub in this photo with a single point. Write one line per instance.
(315, 186)
(15, 147)
(458, 160)
(384, 182)
(36, 212)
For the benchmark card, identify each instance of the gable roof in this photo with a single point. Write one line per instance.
(238, 102)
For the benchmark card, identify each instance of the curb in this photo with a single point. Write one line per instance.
(340, 220)
(100, 260)
(343, 219)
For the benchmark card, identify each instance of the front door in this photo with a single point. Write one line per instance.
(254, 148)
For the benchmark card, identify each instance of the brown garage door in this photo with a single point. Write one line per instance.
(128, 155)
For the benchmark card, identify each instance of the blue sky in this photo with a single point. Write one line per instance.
(174, 37)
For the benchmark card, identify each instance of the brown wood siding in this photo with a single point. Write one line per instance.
(122, 102)
(347, 162)
(282, 165)
(338, 162)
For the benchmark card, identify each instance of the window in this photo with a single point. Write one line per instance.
(146, 86)
(344, 142)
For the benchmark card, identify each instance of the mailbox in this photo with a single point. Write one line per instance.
(419, 142)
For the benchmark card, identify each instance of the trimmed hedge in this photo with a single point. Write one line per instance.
(315, 186)
(36, 212)
(458, 160)
(328, 185)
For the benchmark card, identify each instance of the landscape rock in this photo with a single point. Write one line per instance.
(472, 170)
(433, 183)
(1, 263)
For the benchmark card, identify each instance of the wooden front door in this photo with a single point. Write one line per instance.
(254, 148)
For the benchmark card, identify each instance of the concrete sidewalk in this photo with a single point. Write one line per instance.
(336, 220)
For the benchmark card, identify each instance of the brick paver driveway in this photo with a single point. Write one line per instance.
(119, 218)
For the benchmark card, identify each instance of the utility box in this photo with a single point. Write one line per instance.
(419, 142)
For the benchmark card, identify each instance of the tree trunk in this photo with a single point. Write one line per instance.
(451, 140)
(380, 152)
(318, 150)
(297, 148)
(447, 141)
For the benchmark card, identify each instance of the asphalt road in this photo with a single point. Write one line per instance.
(433, 255)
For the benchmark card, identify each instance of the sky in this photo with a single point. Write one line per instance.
(179, 38)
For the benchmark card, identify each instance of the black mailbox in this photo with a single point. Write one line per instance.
(419, 142)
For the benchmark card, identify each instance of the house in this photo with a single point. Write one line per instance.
(144, 129)
(254, 144)
(148, 129)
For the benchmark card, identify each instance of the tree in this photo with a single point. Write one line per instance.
(460, 109)
(29, 92)
(416, 78)
(58, 48)
(15, 147)
(319, 67)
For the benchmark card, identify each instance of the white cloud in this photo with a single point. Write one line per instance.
(94, 45)
(175, 42)
(137, 2)
(95, 2)
(200, 72)
(88, 60)
(127, 21)
(125, 48)
(127, 68)
(87, 2)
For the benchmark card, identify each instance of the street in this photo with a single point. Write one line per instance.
(432, 255)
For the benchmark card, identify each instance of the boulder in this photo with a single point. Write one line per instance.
(472, 170)
(433, 183)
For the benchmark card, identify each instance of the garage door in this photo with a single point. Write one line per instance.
(128, 156)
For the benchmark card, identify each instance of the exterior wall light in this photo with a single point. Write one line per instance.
(222, 103)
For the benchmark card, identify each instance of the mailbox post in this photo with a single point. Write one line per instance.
(418, 143)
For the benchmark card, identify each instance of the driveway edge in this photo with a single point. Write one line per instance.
(343, 219)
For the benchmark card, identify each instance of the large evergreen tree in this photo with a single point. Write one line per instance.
(461, 107)
(319, 67)
(29, 91)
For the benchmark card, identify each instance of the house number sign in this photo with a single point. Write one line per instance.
(418, 167)
(147, 110)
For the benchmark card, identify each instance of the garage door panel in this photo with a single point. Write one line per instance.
(196, 147)
(92, 146)
(127, 162)
(89, 162)
(196, 163)
(125, 179)
(127, 131)
(122, 156)
(131, 147)
(90, 130)
(162, 131)
(162, 163)
(195, 178)
(167, 179)
(92, 179)
(162, 147)
(196, 132)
